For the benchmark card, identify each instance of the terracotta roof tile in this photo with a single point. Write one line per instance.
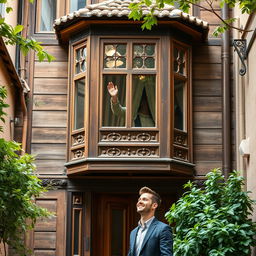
(120, 9)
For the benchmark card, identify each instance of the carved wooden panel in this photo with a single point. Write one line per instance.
(77, 153)
(124, 151)
(129, 136)
(180, 153)
(180, 137)
(78, 138)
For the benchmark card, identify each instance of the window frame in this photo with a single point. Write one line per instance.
(181, 140)
(129, 71)
(79, 148)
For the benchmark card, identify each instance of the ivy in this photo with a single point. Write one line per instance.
(213, 220)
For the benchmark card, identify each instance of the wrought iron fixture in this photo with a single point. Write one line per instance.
(240, 48)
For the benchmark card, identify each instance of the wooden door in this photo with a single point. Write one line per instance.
(114, 218)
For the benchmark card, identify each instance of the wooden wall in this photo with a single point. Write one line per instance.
(49, 111)
(49, 237)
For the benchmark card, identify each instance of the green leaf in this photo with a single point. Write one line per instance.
(9, 9)
(17, 29)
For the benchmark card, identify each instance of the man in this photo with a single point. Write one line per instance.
(151, 237)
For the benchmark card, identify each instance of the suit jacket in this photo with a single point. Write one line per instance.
(157, 242)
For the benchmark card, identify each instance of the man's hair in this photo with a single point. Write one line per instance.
(155, 196)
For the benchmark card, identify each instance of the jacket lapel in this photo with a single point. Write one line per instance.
(133, 241)
(149, 232)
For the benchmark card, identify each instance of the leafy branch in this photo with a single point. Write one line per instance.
(12, 36)
(246, 6)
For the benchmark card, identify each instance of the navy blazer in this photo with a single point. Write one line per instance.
(157, 242)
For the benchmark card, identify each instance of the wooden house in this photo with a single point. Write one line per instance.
(98, 160)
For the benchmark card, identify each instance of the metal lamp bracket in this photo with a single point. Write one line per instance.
(240, 48)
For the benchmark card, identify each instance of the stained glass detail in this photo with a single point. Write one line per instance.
(144, 56)
(115, 56)
(179, 61)
(80, 60)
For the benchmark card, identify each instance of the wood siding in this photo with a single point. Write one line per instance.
(49, 112)
(48, 236)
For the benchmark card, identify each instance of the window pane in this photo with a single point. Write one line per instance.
(77, 4)
(144, 56)
(114, 114)
(2, 10)
(179, 61)
(48, 14)
(80, 60)
(115, 56)
(144, 100)
(79, 104)
(117, 236)
(179, 105)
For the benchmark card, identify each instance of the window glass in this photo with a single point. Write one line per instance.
(179, 104)
(80, 60)
(77, 4)
(79, 104)
(114, 113)
(115, 56)
(179, 61)
(48, 14)
(144, 100)
(2, 10)
(143, 56)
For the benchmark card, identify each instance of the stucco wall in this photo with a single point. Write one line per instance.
(5, 81)
(246, 105)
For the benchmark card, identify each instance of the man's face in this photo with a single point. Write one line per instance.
(145, 204)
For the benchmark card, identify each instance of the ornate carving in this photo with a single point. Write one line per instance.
(131, 136)
(180, 153)
(143, 152)
(129, 152)
(113, 136)
(78, 153)
(54, 182)
(77, 200)
(78, 139)
(180, 139)
(113, 152)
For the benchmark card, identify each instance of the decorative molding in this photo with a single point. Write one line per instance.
(78, 153)
(122, 136)
(54, 182)
(129, 151)
(180, 153)
(77, 200)
(78, 139)
(180, 138)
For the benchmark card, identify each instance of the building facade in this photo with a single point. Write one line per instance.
(173, 123)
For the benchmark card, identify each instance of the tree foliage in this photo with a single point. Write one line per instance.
(18, 189)
(214, 220)
(12, 36)
(149, 20)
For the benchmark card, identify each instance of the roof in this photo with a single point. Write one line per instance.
(120, 9)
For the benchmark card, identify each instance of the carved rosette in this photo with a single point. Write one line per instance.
(78, 153)
(77, 200)
(124, 136)
(181, 154)
(129, 152)
(180, 138)
(78, 139)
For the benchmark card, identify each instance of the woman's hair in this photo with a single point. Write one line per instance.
(155, 196)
